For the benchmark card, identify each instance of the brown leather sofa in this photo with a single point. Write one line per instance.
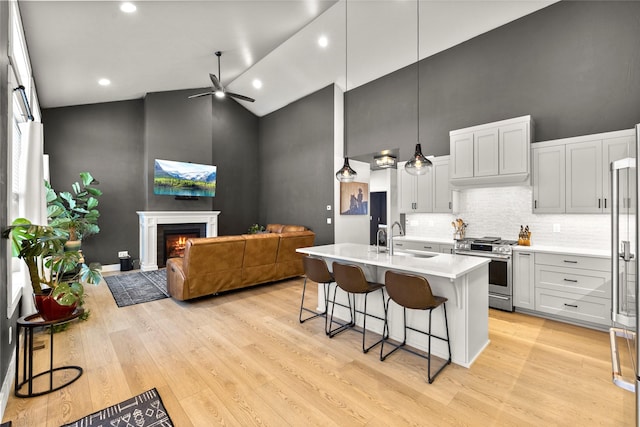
(216, 264)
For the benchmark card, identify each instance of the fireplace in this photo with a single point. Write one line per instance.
(150, 221)
(172, 239)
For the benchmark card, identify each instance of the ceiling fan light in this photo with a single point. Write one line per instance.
(418, 164)
(346, 173)
(219, 94)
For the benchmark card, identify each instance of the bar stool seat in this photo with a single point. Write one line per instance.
(414, 292)
(350, 278)
(316, 269)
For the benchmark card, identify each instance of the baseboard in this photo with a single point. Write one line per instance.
(6, 386)
(111, 267)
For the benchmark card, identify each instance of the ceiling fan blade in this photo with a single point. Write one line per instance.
(216, 82)
(241, 97)
(201, 94)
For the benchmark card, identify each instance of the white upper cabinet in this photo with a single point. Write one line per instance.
(572, 175)
(548, 179)
(416, 192)
(491, 154)
(462, 152)
(426, 193)
(584, 177)
(442, 194)
(514, 149)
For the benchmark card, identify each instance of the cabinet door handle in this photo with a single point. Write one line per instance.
(599, 201)
(569, 261)
(525, 254)
(570, 305)
(605, 203)
(426, 247)
(398, 244)
(450, 207)
(571, 280)
(535, 204)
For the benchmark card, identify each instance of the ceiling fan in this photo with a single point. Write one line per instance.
(218, 90)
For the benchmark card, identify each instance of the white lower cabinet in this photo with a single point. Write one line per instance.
(569, 286)
(523, 280)
(418, 247)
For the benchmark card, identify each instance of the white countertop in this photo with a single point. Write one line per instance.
(600, 253)
(424, 239)
(441, 265)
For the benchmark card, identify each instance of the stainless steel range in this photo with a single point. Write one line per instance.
(500, 267)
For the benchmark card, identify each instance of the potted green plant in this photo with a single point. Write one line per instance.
(41, 247)
(256, 229)
(75, 212)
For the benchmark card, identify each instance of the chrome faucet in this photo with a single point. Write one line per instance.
(390, 240)
(384, 231)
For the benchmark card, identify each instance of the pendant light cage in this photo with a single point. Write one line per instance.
(418, 164)
(346, 173)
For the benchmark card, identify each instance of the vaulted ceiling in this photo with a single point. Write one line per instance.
(170, 45)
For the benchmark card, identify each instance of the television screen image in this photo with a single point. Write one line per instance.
(171, 178)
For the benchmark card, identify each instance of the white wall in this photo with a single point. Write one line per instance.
(347, 228)
(499, 211)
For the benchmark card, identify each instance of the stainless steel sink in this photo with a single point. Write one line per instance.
(414, 255)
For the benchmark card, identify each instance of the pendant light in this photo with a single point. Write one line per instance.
(346, 173)
(418, 164)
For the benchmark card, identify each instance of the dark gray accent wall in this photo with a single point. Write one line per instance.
(574, 66)
(210, 131)
(235, 151)
(296, 164)
(176, 128)
(106, 140)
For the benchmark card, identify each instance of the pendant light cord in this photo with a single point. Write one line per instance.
(418, 64)
(344, 102)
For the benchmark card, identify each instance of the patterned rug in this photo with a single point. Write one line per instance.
(141, 286)
(144, 410)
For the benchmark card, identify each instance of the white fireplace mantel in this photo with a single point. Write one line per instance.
(149, 221)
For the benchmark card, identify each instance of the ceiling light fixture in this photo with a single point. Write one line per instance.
(323, 41)
(385, 161)
(418, 164)
(104, 82)
(257, 83)
(128, 7)
(345, 174)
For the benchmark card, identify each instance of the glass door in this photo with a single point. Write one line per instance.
(624, 343)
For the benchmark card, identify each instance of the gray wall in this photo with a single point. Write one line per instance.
(106, 140)
(296, 164)
(574, 66)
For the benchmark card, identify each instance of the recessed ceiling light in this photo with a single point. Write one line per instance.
(323, 41)
(127, 7)
(104, 82)
(257, 83)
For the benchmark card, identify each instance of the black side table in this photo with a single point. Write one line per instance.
(29, 323)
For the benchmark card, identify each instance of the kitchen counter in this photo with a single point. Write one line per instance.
(463, 280)
(600, 253)
(425, 239)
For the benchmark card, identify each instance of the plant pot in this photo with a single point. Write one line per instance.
(49, 308)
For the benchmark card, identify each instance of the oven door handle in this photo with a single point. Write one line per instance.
(499, 297)
(487, 255)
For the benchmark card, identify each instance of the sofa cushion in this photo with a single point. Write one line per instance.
(290, 228)
(274, 228)
(259, 265)
(289, 262)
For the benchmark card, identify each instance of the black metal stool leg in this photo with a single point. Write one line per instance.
(303, 308)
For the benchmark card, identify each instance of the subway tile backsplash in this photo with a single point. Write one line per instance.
(499, 211)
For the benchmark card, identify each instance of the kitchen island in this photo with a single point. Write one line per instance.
(461, 279)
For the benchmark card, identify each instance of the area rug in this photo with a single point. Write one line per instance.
(144, 410)
(136, 288)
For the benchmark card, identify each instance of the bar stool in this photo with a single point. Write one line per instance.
(350, 278)
(414, 292)
(316, 269)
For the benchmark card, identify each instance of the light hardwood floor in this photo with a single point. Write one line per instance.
(243, 359)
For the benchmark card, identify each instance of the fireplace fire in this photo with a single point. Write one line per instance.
(172, 239)
(175, 244)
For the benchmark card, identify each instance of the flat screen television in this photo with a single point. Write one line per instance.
(182, 179)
